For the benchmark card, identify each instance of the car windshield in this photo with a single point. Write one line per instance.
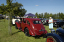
(37, 22)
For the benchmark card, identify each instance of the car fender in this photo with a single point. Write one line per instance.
(57, 37)
(13, 21)
(30, 30)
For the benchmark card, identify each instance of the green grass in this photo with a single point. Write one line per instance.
(18, 36)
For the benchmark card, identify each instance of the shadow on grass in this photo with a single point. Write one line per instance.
(38, 37)
(16, 32)
(2, 21)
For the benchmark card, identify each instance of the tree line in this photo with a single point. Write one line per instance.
(47, 15)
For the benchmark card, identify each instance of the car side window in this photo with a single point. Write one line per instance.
(24, 20)
(21, 19)
(37, 22)
(28, 22)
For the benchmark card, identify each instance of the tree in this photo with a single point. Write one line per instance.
(17, 9)
(13, 8)
(9, 12)
(50, 15)
(41, 15)
(45, 15)
(54, 16)
(2, 9)
(62, 16)
(57, 16)
(37, 15)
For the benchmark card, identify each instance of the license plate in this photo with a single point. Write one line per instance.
(41, 30)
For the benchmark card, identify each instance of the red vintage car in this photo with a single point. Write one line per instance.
(31, 26)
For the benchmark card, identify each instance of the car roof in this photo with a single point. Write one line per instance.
(32, 19)
(41, 18)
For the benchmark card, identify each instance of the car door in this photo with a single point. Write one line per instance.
(28, 24)
(23, 24)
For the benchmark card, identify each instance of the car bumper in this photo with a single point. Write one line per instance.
(40, 33)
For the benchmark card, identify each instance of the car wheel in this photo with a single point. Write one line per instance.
(50, 39)
(16, 26)
(26, 32)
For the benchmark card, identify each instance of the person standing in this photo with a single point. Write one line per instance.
(50, 23)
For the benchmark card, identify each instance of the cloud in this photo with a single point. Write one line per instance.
(36, 5)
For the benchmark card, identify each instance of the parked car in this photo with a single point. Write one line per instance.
(43, 20)
(14, 19)
(54, 21)
(1, 16)
(58, 23)
(57, 36)
(47, 20)
(4, 16)
(31, 26)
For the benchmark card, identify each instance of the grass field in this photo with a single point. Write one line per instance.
(18, 36)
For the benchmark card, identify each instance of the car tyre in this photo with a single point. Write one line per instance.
(50, 39)
(26, 32)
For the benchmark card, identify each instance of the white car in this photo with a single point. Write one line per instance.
(13, 21)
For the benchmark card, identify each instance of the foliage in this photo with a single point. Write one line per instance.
(37, 15)
(15, 8)
(47, 15)
(2, 9)
(12, 9)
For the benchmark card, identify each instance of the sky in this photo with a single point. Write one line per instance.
(40, 6)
